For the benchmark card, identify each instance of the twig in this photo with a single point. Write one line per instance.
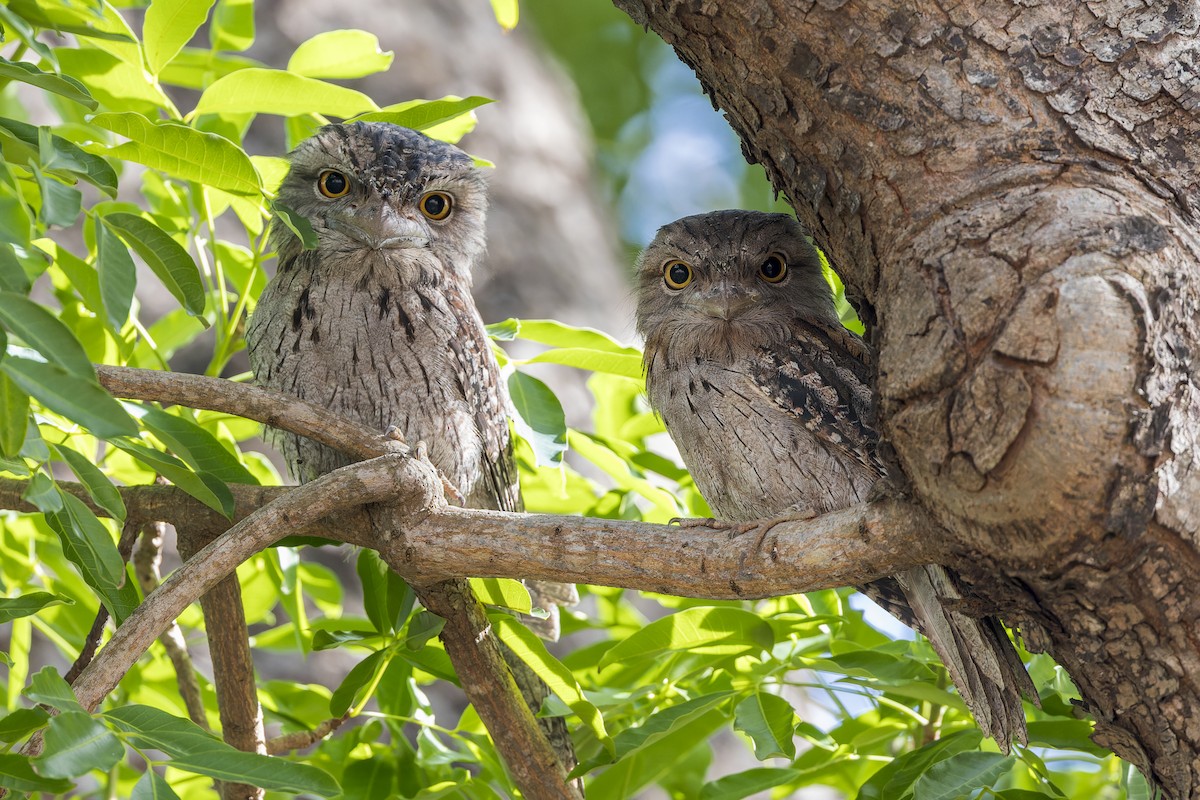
(96, 632)
(147, 557)
(302, 739)
(252, 402)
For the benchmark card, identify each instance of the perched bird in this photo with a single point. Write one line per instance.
(769, 401)
(378, 323)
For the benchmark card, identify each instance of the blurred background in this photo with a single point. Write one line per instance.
(599, 135)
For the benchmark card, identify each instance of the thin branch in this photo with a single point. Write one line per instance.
(299, 740)
(252, 402)
(147, 557)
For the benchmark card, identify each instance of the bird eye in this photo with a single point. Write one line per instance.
(774, 269)
(333, 184)
(677, 274)
(436, 205)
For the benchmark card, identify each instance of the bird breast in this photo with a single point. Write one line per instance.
(369, 344)
(749, 458)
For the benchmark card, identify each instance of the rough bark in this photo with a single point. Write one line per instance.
(1010, 192)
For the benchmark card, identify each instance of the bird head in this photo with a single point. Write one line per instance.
(719, 282)
(372, 188)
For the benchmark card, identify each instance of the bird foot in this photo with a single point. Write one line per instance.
(734, 528)
(420, 451)
(764, 526)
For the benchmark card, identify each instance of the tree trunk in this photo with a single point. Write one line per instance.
(1011, 195)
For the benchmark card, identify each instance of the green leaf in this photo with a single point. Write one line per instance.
(232, 26)
(744, 784)
(387, 599)
(423, 626)
(195, 68)
(297, 224)
(194, 750)
(16, 773)
(354, 686)
(960, 775)
(1073, 734)
(152, 786)
(192, 443)
(48, 688)
(100, 488)
(77, 744)
(168, 26)
(506, 12)
(14, 417)
(42, 492)
(665, 722)
(769, 721)
(504, 331)
(44, 332)
(559, 334)
(628, 365)
(12, 274)
(627, 776)
(79, 400)
(26, 604)
(114, 81)
(503, 592)
(165, 256)
(706, 630)
(340, 54)
(182, 152)
(272, 91)
(532, 650)
(62, 156)
(117, 276)
(370, 778)
(540, 419)
(428, 116)
(22, 722)
(61, 204)
(205, 488)
(87, 543)
(63, 85)
(895, 781)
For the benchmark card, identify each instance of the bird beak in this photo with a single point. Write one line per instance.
(725, 300)
(385, 230)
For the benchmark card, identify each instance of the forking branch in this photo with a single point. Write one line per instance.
(428, 541)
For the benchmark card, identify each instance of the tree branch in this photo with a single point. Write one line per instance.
(370, 482)
(251, 402)
(428, 544)
(841, 548)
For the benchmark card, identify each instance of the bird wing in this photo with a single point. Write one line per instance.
(478, 378)
(822, 375)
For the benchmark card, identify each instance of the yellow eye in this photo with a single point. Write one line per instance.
(774, 269)
(436, 205)
(677, 274)
(333, 184)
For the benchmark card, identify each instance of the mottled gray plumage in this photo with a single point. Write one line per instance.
(769, 400)
(377, 323)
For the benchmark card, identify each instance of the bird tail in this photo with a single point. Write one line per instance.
(549, 597)
(977, 652)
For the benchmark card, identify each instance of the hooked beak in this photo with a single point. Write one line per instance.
(382, 231)
(726, 300)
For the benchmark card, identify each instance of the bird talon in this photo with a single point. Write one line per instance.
(698, 522)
